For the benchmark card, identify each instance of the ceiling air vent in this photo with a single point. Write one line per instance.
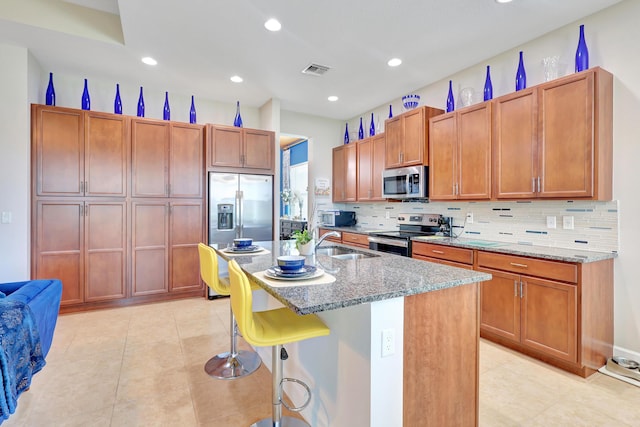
(315, 69)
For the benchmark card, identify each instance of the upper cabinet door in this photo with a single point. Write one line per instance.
(443, 136)
(58, 134)
(393, 134)
(258, 149)
(474, 152)
(150, 158)
(566, 144)
(106, 154)
(414, 138)
(226, 146)
(515, 145)
(186, 173)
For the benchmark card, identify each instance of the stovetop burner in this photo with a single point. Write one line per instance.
(402, 234)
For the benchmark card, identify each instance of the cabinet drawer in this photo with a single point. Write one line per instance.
(355, 239)
(530, 266)
(448, 253)
(323, 231)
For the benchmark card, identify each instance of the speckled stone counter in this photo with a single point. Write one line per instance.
(359, 281)
(545, 252)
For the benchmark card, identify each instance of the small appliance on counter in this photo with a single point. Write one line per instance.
(411, 225)
(337, 218)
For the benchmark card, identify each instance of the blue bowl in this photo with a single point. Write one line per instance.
(242, 242)
(291, 262)
(410, 101)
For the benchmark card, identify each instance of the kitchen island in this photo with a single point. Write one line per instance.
(429, 375)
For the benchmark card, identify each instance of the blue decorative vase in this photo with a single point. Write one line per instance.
(166, 113)
(582, 53)
(192, 111)
(488, 87)
(50, 98)
(141, 104)
(450, 102)
(361, 130)
(346, 133)
(372, 127)
(117, 103)
(390, 111)
(237, 121)
(86, 100)
(521, 75)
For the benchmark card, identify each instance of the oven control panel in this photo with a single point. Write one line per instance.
(432, 220)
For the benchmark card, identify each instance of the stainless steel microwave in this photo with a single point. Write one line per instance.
(406, 183)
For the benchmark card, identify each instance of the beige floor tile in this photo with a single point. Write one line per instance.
(173, 408)
(97, 418)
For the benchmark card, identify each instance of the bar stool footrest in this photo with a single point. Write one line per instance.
(307, 389)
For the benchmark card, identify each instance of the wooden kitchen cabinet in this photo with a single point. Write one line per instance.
(164, 245)
(370, 164)
(233, 147)
(559, 312)
(407, 138)
(323, 231)
(355, 239)
(83, 244)
(167, 159)
(448, 255)
(79, 153)
(460, 154)
(555, 140)
(344, 174)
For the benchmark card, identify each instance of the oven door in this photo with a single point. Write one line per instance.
(391, 246)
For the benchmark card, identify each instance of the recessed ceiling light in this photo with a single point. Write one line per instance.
(394, 62)
(236, 79)
(333, 98)
(149, 60)
(273, 25)
(503, 1)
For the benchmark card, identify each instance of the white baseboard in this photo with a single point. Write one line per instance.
(620, 351)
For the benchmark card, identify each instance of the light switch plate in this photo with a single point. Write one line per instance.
(551, 222)
(469, 217)
(567, 222)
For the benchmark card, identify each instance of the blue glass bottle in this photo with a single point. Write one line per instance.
(521, 75)
(50, 98)
(166, 112)
(582, 53)
(117, 103)
(488, 87)
(86, 100)
(372, 127)
(450, 101)
(390, 112)
(346, 133)
(237, 121)
(141, 104)
(192, 111)
(361, 130)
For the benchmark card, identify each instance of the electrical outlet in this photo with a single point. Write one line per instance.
(388, 342)
(469, 217)
(6, 217)
(387, 215)
(551, 222)
(567, 222)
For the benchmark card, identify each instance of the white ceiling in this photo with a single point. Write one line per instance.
(199, 44)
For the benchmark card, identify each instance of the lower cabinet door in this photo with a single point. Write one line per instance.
(549, 317)
(186, 231)
(106, 250)
(149, 246)
(500, 304)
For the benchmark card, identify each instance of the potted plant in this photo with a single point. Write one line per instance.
(304, 241)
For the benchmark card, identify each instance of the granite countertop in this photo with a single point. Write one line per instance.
(357, 229)
(358, 281)
(545, 252)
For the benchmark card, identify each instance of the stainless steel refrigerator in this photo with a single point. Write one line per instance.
(240, 205)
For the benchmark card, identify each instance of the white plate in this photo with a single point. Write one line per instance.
(304, 271)
(249, 250)
(319, 272)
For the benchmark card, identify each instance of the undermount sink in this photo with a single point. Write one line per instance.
(340, 252)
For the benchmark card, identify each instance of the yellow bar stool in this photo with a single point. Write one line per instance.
(272, 328)
(232, 364)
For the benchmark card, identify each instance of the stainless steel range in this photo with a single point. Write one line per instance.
(411, 225)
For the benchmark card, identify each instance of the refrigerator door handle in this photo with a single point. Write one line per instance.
(239, 209)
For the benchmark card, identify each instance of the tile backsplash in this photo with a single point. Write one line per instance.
(595, 224)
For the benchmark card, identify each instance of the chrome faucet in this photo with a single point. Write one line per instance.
(324, 236)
